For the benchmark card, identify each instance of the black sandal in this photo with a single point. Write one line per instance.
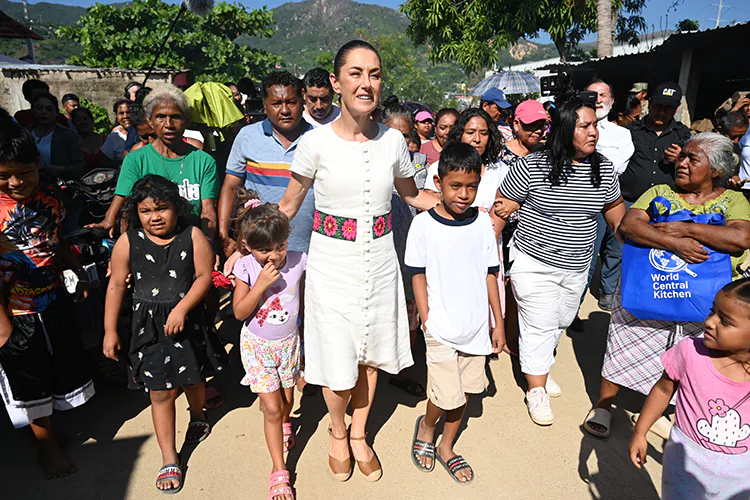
(410, 386)
(198, 431)
(421, 448)
(454, 465)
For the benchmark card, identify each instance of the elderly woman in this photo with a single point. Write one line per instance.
(355, 310)
(444, 121)
(194, 171)
(561, 191)
(634, 347)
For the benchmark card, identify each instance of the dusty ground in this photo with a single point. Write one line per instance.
(118, 457)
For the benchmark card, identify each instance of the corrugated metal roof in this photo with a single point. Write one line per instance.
(10, 28)
(676, 40)
(10, 64)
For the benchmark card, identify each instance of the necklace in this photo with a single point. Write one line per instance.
(166, 172)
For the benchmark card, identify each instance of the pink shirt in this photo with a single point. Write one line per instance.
(712, 410)
(428, 148)
(276, 317)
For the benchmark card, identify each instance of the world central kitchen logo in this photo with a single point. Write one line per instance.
(669, 285)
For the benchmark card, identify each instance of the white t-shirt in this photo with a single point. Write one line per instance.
(616, 144)
(315, 123)
(744, 145)
(488, 184)
(44, 144)
(456, 256)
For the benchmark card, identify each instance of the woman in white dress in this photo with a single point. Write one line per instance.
(355, 310)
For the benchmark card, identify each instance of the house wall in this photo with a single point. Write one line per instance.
(102, 87)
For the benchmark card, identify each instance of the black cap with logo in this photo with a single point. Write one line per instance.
(667, 93)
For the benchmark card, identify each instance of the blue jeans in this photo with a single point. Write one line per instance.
(609, 248)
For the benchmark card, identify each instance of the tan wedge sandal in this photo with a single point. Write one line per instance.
(372, 470)
(342, 469)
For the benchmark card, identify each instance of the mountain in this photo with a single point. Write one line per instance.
(305, 29)
(43, 12)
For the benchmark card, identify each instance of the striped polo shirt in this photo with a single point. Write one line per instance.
(558, 223)
(259, 159)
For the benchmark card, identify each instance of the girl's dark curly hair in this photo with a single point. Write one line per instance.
(158, 189)
(258, 225)
(495, 142)
(561, 152)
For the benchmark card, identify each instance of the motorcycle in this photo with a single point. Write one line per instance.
(91, 197)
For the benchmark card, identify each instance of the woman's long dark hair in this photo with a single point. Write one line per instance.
(561, 151)
(158, 189)
(494, 143)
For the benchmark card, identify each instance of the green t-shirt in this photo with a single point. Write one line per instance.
(197, 182)
(732, 204)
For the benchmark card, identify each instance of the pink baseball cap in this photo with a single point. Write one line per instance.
(423, 116)
(530, 111)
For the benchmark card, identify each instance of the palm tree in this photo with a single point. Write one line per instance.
(604, 45)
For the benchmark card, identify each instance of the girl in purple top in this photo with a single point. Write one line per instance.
(269, 285)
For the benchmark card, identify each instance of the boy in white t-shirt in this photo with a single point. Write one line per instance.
(452, 252)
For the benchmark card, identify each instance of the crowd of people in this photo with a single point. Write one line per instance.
(352, 227)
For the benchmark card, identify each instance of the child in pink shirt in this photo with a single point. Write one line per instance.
(267, 296)
(707, 452)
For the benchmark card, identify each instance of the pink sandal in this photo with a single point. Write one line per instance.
(289, 439)
(279, 483)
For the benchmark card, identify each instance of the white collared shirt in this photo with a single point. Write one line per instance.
(616, 143)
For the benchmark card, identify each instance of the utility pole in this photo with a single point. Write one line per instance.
(25, 11)
(720, 6)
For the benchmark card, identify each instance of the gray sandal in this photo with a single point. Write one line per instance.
(421, 448)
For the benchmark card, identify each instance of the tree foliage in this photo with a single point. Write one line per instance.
(401, 77)
(325, 61)
(102, 121)
(688, 25)
(472, 32)
(129, 36)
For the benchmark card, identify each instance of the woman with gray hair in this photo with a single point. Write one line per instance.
(170, 156)
(634, 347)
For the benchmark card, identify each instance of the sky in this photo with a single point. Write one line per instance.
(658, 13)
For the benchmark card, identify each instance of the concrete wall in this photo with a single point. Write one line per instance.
(100, 86)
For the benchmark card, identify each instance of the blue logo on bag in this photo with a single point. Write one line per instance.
(666, 288)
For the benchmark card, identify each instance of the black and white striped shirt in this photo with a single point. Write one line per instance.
(558, 223)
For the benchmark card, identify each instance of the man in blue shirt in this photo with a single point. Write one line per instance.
(261, 156)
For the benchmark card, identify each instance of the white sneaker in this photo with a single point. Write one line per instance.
(553, 390)
(540, 411)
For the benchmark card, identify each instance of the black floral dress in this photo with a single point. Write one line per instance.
(162, 276)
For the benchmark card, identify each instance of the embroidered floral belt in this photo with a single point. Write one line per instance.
(345, 228)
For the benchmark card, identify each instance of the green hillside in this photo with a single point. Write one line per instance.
(303, 31)
(43, 12)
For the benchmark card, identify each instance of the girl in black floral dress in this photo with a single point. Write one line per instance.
(173, 343)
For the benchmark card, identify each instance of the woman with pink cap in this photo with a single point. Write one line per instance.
(424, 124)
(529, 124)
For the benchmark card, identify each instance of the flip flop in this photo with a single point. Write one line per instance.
(170, 472)
(289, 439)
(598, 416)
(454, 465)
(410, 386)
(199, 430)
(214, 399)
(421, 448)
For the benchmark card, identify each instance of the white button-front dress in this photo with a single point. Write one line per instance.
(355, 308)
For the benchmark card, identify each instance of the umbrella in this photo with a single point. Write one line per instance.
(510, 82)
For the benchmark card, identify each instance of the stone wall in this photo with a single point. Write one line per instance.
(101, 86)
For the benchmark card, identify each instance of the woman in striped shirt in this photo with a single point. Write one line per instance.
(559, 191)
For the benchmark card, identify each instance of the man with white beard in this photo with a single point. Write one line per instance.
(616, 143)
